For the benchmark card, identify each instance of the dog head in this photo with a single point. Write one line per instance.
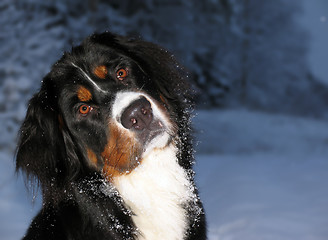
(102, 108)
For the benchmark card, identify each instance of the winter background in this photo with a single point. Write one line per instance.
(261, 75)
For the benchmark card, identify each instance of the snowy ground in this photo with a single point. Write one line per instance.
(261, 177)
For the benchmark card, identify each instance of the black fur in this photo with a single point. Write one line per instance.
(52, 141)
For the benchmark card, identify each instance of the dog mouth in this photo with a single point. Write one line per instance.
(139, 118)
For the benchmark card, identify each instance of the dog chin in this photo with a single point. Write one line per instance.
(159, 141)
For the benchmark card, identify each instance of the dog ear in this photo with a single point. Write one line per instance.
(37, 150)
(169, 75)
(45, 151)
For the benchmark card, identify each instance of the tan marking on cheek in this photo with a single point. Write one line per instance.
(121, 154)
(101, 71)
(61, 122)
(92, 157)
(84, 94)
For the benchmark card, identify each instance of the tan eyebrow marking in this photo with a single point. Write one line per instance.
(84, 94)
(101, 71)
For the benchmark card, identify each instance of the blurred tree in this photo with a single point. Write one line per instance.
(273, 57)
(239, 53)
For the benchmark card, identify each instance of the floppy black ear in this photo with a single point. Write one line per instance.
(38, 146)
(167, 73)
(42, 150)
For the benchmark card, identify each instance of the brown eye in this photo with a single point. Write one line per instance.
(85, 109)
(121, 74)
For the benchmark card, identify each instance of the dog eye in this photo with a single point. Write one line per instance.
(121, 74)
(85, 109)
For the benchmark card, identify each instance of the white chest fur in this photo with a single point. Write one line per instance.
(155, 192)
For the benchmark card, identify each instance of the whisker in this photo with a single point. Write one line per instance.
(89, 79)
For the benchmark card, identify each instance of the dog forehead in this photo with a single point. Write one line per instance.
(95, 54)
(88, 78)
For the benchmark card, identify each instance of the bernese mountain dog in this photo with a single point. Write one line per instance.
(108, 141)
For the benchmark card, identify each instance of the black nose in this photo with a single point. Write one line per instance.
(138, 115)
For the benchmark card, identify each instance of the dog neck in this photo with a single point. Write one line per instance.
(157, 193)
